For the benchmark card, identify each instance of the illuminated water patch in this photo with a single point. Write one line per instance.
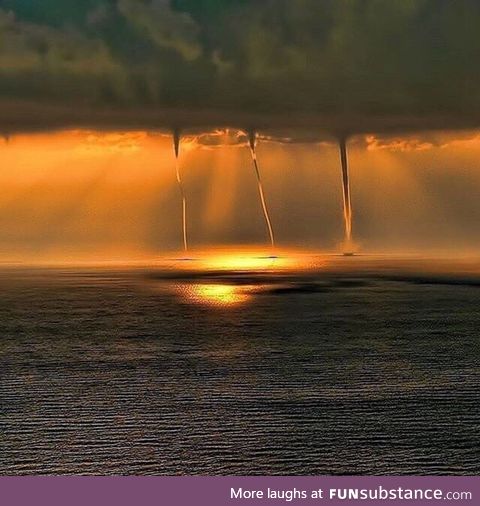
(216, 295)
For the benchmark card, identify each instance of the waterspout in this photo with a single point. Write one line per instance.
(347, 201)
(252, 138)
(176, 148)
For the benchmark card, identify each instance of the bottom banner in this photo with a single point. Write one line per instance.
(233, 490)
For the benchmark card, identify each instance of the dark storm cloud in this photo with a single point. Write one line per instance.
(338, 66)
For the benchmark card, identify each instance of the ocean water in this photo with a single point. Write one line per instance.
(349, 366)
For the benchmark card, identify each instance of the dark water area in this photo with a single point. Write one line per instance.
(357, 367)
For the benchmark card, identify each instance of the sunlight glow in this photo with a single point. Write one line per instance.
(247, 261)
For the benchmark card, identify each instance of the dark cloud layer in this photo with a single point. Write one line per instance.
(341, 66)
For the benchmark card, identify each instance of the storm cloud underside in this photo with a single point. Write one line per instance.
(336, 66)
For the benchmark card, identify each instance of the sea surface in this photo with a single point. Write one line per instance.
(328, 365)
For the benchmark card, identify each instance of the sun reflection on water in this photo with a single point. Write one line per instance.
(229, 278)
(216, 294)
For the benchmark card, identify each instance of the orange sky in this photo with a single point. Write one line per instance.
(115, 195)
